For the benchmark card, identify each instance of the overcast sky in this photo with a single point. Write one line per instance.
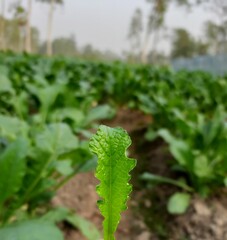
(105, 23)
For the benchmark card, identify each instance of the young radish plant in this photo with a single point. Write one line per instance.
(110, 145)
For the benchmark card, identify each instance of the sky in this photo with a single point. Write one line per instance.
(105, 23)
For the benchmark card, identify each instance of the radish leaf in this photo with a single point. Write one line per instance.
(113, 169)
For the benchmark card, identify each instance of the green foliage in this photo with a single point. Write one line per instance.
(35, 163)
(53, 103)
(113, 169)
(64, 46)
(86, 227)
(184, 45)
(56, 138)
(200, 149)
(31, 230)
(11, 127)
(12, 169)
(40, 148)
(178, 203)
(159, 179)
(183, 103)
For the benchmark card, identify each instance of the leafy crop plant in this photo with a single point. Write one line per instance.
(110, 145)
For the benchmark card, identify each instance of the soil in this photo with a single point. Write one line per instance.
(146, 217)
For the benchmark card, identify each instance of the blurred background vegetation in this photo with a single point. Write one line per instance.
(147, 29)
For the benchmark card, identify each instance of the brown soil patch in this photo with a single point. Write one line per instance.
(205, 220)
(129, 119)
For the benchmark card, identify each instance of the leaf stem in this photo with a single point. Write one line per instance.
(39, 177)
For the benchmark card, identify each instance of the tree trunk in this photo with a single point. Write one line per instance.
(49, 31)
(28, 28)
(2, 40)
(154, 47)
(145, 48)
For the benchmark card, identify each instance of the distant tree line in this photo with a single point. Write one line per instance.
(17, 34)
(144, 35)
(144, 40)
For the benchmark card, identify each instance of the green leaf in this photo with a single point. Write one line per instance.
(56, 215)
(202, 168)
(225, 181)
(212, 129)
(11, 127)
(151, 135)
(12, 168)
(5, 84)
(82, 159)
(88, 166)
(156, 178)
(76, 115)
(46, 95)
(100, 112)
(49, 94)
(113, 169)
(20, 103)
(31, 230)
(57, 138)
(178, 203)
(64, 167)
(179, 148)
(86, 227)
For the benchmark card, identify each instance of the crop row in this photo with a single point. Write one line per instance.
(47, 107)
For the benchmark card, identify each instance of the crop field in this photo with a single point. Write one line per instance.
(50, 108)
